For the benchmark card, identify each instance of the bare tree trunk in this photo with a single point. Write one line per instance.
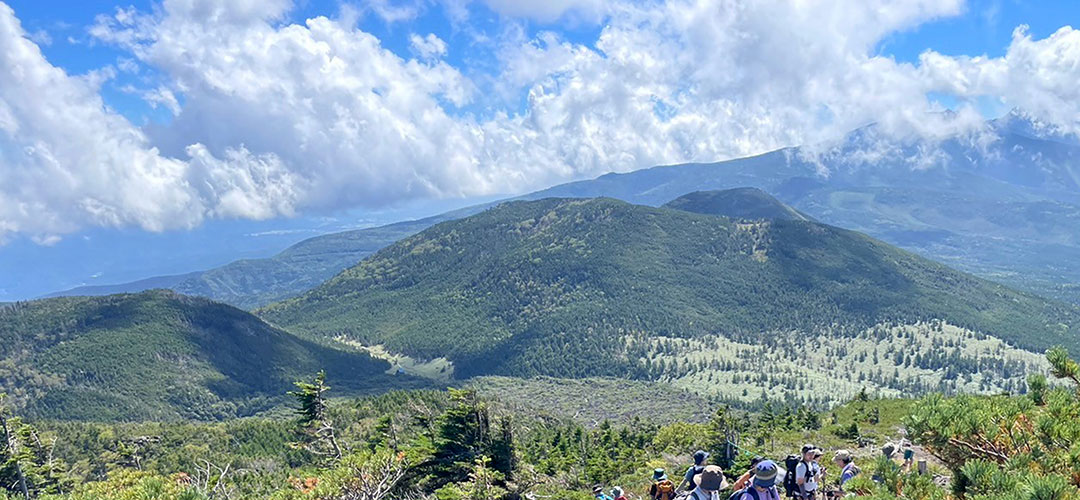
(9, 442)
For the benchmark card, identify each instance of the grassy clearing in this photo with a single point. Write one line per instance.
(824, 370)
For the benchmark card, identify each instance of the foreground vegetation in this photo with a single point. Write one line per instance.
(455, 445)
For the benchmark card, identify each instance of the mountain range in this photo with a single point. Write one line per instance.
(1003, 203)
(731, 294)
(591, 287)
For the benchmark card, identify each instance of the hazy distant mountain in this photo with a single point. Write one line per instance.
(1003, 204)
(251, 283)
(157, 282)
(575, 288)
(1007, 209)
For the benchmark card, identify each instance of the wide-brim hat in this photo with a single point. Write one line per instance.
(765, 473)
(659, 475)
(711, 478)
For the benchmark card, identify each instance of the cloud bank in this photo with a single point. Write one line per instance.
(272, 117)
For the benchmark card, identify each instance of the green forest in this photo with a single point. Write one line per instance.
(547, 287)
(454, 444)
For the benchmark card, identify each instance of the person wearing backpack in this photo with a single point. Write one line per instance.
(708, 484)
(662, 488)
(699, 466)
(807, 473)
(848, 469)
(617, 493)
(763, 484)
(744, 480)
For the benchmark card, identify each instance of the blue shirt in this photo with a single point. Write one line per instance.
(849, 472)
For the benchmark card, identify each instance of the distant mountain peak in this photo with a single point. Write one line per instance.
(737, 203)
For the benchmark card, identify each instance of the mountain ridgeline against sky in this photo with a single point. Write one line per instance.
(157, 355)
(1007, 210)
(251, 283)
(582, 287)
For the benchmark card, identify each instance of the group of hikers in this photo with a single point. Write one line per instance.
(802, 478)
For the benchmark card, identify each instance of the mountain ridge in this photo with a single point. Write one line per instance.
(546, 287)
(158, 355)
(1002, 210)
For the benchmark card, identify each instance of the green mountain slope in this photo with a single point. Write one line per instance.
(568, 287)
(738, 203)
(156, 355)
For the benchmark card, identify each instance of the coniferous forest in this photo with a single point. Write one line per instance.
(453, 444)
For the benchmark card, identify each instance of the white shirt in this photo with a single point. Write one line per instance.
(800, 473)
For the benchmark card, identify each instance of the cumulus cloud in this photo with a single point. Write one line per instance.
(1037, 76)
(274, 117)
(67, 161)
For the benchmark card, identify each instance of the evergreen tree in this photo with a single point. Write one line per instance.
(316, 428)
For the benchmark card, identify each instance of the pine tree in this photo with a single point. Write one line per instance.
(316, 428)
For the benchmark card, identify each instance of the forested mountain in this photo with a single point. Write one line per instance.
(572, 288)
(739, 203)
(157, 355)
(1002, 203)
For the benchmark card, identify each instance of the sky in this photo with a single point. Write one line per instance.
(158, 116)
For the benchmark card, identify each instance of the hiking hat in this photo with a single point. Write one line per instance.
(700, 456)
(843, 456)
(712, 478)
(659, 475)
(597, 489)
(807, 448)
(616, 492)
(765, 474)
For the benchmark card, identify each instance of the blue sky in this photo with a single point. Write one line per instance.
(193, 124)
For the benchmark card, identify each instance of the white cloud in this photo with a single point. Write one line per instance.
(427, 47)
(67, 161)
(1038, 76)
(272, 118)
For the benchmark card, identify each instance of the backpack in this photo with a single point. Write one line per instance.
(665, 490)
(791, 487)
(738, 494)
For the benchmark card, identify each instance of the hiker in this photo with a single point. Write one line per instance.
(662, 488)
(807, 473)
(708, 484)
(763, 484)
(617, 493)
(848, 469)
(598, 493)
(909, 456)
(699, 465)
(744, 480)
